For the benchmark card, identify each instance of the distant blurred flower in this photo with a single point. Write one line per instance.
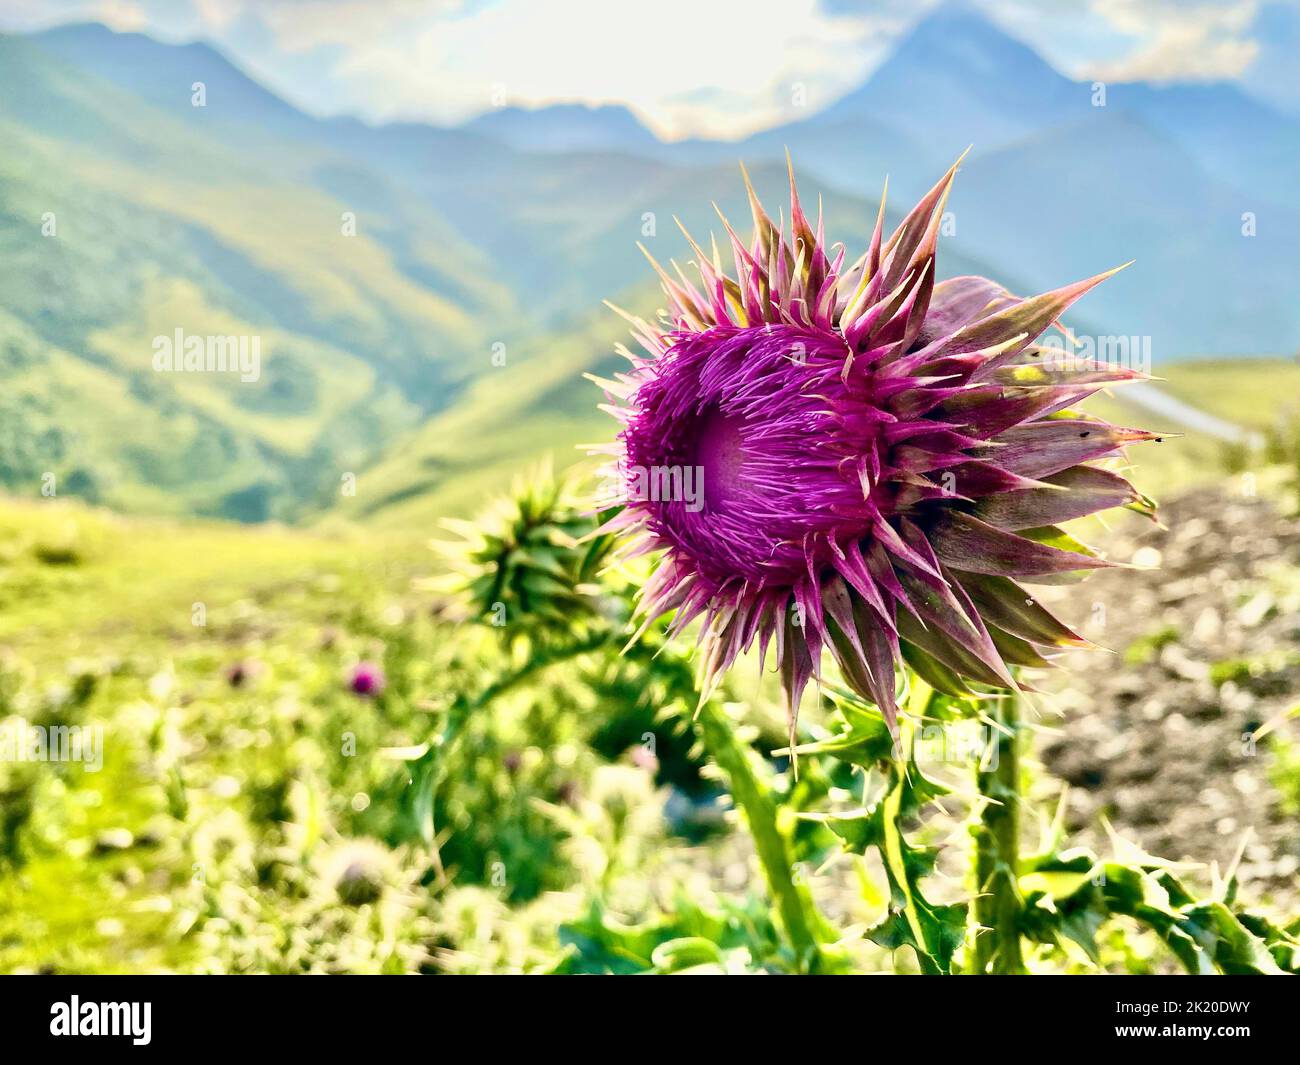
(860, 459)
(366, 679)
(241, 673)
(360, 870)
(644, 758)
(357, 885)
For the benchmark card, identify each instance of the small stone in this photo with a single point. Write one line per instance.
(1177, 591)
(1256, 610)
(1177, 662)
(1207, 627)
(1147, 558)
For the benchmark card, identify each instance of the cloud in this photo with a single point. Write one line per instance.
(722, 68)
(302, 25)
(33, 14)
(122, 15)
(1179, 40)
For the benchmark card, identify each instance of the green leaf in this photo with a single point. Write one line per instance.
(686, 953)
(933, 932)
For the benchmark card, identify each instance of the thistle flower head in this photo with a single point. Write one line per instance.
(528, 566)
(858, 458)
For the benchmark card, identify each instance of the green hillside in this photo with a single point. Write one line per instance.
(159, 216)
(536, 409)
(126, 213)
(120, 223)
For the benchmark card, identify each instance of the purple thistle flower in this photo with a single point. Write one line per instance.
(883, 458)
(366, 679)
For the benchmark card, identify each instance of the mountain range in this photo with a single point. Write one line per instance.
(427, 297)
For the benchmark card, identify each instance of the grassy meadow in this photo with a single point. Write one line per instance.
(255, 813)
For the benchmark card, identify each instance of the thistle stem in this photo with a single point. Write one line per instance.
(754, 798)
(998, 903)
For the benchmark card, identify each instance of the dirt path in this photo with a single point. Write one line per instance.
(1153, 398)
(1156, 738)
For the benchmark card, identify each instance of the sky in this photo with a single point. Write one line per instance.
(717, 68)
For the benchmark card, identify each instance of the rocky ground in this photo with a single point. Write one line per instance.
(1157, 738)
